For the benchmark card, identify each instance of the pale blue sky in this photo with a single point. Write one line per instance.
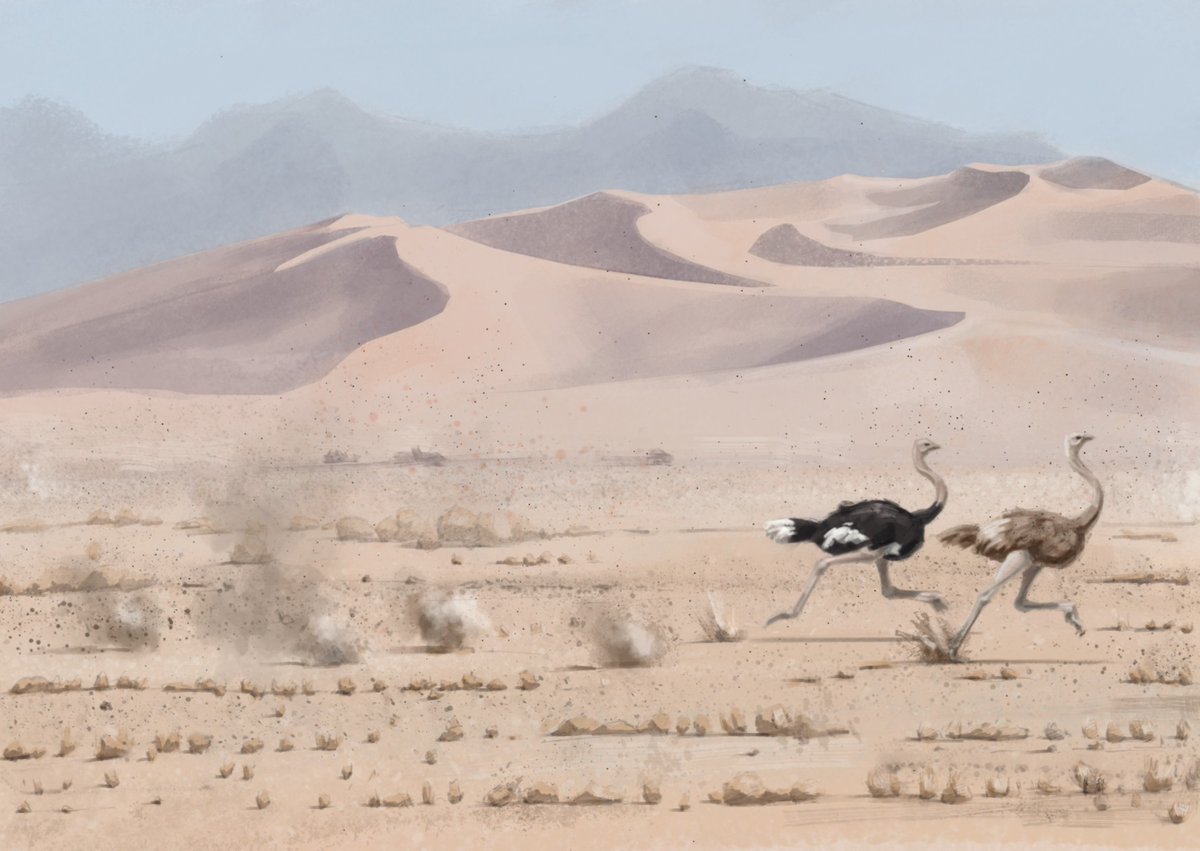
(1119, 79)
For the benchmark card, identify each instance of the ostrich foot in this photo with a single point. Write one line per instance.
(1072, 617)
(782, 616)
(937, 601)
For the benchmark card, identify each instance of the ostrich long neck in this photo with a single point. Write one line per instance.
(939, 499)
(1092, 513)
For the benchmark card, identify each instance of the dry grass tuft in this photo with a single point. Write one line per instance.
(112, 747)
(168, 743)
(1091, 781)
(883, 782)
(955, 791)
(67, 746)
(1155, 779)
(930, 641)
(998, 786)
(328, 742)
(719, 623)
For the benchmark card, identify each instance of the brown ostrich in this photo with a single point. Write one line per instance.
(1025, 541)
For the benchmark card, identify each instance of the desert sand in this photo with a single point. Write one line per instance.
(186, 410)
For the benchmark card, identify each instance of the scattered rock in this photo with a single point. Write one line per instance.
(993, 733)
(346, 686)
(1178, 812)
(263, 800)
(746, 788)
(594, 794)
(502, 795)
(1113, 733)
(250, 550)
(303, 523)
(323, 801)
(113, 747)
(455, 794)
(427, 793)
(452, 733)
(17, 751)
(528, 681)
(461, 527)
(651, 794)
(252, 746)
(198, 743)
(354, 529)
(541, 793)
(1142, 731)
(1054, 733)
(581, 725)
(1007, 673)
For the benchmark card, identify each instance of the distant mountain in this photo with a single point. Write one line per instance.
(77, 204)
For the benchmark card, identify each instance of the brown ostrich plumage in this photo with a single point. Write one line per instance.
(1025, 541)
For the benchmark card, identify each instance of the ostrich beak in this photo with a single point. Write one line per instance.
(1086, 437)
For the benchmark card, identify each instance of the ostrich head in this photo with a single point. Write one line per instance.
(1076, 441)
(924, 446)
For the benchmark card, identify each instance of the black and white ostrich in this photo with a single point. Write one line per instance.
(877, 531)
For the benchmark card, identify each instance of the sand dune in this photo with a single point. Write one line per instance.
(941, 200)
(1092, 173)
(785, 244)
(1127, 226)
(599, 232)
(224, 321)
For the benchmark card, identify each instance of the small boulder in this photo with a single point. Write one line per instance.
(354, 529)
(580, 725)
(502, 795)
(541, 793)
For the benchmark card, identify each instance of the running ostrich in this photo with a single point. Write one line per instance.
(876, 531)
(1025, 541)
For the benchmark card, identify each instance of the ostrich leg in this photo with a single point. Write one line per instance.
(891, 592)
(1024, 604)
(819, 571)
(1014, 564)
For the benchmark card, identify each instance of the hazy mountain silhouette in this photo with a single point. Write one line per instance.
(77, 204)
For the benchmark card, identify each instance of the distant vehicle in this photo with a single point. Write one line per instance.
(659, 458)
(339, 456)
(430, 459)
